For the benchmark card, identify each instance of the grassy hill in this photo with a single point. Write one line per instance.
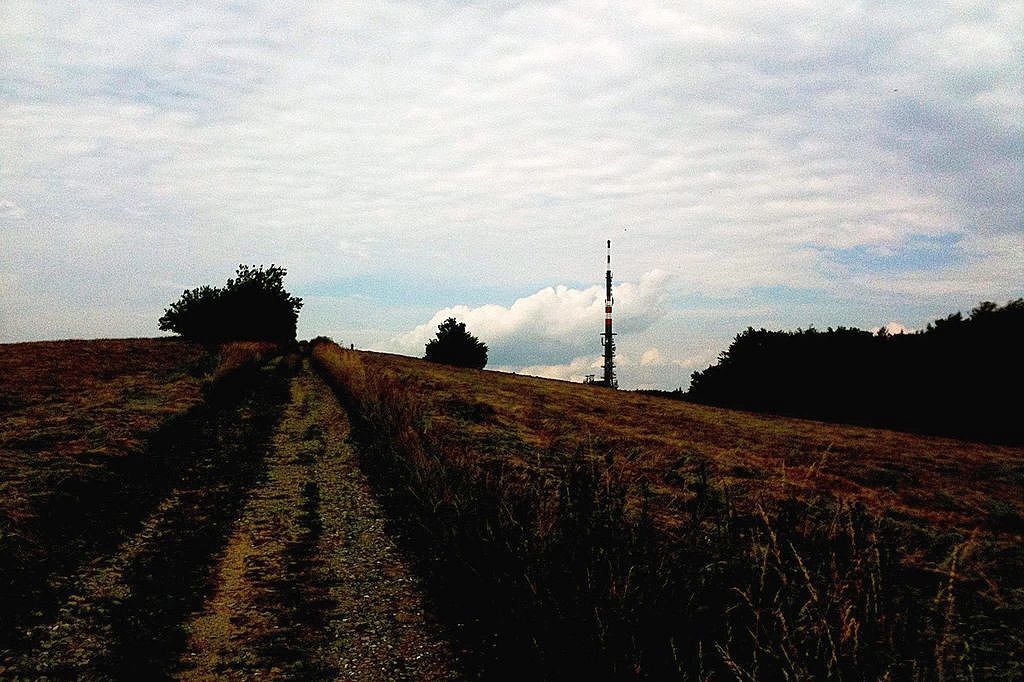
(158, 497)
(585, 531)
(72, 414)
(945, 483)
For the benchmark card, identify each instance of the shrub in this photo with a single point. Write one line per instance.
(456, 346)
(253, 306)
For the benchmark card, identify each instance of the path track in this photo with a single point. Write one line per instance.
(266, 557)
(310, 585)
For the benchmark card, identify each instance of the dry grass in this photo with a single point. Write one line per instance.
(78, 403)
(239, 355)
(71, 403)
(693, 541)
(944, 483)
(76, 397)
(76, 418)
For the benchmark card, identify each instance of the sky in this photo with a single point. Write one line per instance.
(775, 165)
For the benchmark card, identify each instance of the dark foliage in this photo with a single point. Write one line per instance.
(958, 377)
(674, 394)
(252, 306)
(456, 346)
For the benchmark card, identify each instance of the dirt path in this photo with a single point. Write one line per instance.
(310, 585)
(264, 556)
(119, 615)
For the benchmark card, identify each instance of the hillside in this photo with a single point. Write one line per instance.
(175, 511)
(942, 482)
(169, 510)
(561, 520)
(72, 415)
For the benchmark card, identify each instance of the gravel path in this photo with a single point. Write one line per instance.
(310, 586)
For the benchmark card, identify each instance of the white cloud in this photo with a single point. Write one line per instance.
(652, 370)
(449, 145)
(576, 370)
(651, 356)
(549, 323)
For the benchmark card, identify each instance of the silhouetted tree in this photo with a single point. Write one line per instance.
(456, 346)
(952, 378)
(252, 306)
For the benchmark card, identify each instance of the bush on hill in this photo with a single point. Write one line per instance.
(252, 306)
(953, 378)
(456, 346)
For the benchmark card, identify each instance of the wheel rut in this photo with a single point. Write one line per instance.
(310, 585)
(264, 554)
(120, 615)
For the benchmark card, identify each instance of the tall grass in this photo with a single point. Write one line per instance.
(237, 359)
(558, 567)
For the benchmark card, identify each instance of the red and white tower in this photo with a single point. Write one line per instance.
(607, 338)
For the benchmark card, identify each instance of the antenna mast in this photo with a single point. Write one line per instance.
(607, 338)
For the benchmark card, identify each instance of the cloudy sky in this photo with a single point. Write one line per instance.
(770, 164)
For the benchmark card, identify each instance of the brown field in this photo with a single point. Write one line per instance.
(76, 419)
(170, 510)
(69, 406)
(939, 482)
(66, 406)
(590, 533)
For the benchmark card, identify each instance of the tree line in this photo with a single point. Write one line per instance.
(960, 376)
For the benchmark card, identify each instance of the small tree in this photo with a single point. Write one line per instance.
(195, 315)
(253, 306)
(456, 346)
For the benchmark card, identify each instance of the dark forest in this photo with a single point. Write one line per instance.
(960, 376)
